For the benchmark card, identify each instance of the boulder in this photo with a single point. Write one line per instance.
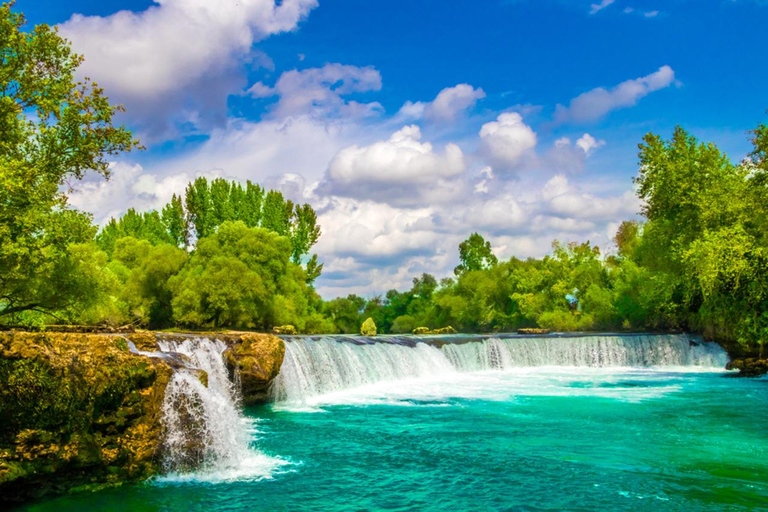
(284, 329)
(368, 328)
(257, 359)
(144, 340)
(78, 411)
(532, 331)
(442, 330)
(750, 367)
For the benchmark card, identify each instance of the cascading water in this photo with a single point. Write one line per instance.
(317, 366)
(204, 428)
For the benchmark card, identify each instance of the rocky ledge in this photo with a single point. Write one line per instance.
(78, 411)
(256, 358)
(750, 367)
(83, 411)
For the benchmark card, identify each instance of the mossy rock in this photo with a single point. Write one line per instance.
(532, 331)
(144, 340)
(79, 411)
(442, 330)
(284, 329)
(257, 358)
(368, 328)
(750, 367)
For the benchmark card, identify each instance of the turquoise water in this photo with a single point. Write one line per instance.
(528, 438)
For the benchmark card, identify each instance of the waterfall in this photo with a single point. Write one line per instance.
(316, 366)
(204, 429)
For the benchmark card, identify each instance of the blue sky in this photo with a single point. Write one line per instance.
(410, 124)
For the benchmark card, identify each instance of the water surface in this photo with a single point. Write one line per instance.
(672, 437)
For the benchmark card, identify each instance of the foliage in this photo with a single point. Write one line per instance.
(52, 129)
(240, 277)
(475, 254)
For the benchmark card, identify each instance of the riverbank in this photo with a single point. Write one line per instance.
(83, 411)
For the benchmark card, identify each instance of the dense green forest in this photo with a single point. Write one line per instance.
(228, 254)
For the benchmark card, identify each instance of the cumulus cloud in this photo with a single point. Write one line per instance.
(588, 143)
(595, 104)
(562, 199)
(129, 186)
(453, 101)
(449, 105)
(401, 169)
(319, 91)
(506, 141)
(177, 61)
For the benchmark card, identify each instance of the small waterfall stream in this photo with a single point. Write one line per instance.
(207, 438)
(325, 364)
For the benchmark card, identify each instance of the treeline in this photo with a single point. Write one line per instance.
(698, 261)
(206, 206)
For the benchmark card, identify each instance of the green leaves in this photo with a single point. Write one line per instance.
(241, 277)
(706, 234)
(52, 129)
(475, 254)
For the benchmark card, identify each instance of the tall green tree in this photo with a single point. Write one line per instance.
(53, 129)
(175, 222)
(475, 254)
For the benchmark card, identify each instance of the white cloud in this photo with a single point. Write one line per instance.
(401, 170)
(128, 186)
(651, 14)
(319, 91)
(589, 144)
(449, 105)
(595, 8)
(452, 102)
(594, 104)
(564, 200)
(507, 140)
(177, 61)
(411, 111)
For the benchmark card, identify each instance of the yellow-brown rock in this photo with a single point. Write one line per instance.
(368, 328)
(257, 358)
(284, 329)
(442, 330)
(78, 411)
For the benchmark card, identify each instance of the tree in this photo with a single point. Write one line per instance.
(304, 232)
(705, 237)
(199, 208)
(147, 270)
(475, 254)
(52, 130)
(238, 276)
(175, 222)
(276, 213)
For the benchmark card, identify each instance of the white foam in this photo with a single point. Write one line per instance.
(206, 437)
(329, 371)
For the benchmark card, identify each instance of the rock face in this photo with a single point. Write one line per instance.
(78, 411)
(368, 328)
(750, 367)
(257, 358)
